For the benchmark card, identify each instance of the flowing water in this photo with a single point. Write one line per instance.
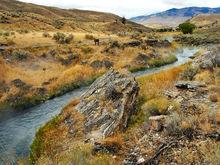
(17, 128)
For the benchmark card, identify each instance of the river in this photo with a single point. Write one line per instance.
(17, 128)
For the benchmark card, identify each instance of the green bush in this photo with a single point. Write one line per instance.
(159, 106)
(38, 145)
(187, 28)
(87, 50)
(58, 24)
(189, 73)
(20, 55)
(89, 37)
(46, 34)
(62, 38)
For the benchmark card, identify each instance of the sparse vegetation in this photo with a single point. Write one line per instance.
(46, 34)
(89, 37)
(62, 38)
(58, 24)
(123, 20)
(189, 73)
(20, 55)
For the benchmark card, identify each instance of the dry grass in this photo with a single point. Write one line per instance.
(54, 144)
(49, 139)
(153, 86)
(151, 89)
(3, 70)
(75, 74)
(159, 106)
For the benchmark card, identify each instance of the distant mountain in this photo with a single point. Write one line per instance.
(174, 17)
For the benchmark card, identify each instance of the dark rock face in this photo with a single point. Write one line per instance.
(99, 64)
(189, 84)
(96, 64)
(132, 44)
(108, 104)
(107, 64)
(141, 59)
(18, 83)
(208, 60)
(158, 43)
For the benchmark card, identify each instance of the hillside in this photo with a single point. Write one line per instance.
(19, 15)
(206, 20)
(174, 17)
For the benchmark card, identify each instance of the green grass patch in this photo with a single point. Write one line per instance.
(38, 146)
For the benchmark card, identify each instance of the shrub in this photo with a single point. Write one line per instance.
(20, 55)
(46, 34)
(213, 97)
(62, 38)
(159, 106)
(87, 50)
(180, 124)
(23, 31)
(89, 37)
(211, 152)
(58, 24)
(6, 34)
(189, 73)
(114, 44)
(187, 28)
(123, 20)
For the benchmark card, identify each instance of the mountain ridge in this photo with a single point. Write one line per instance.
(175, 15)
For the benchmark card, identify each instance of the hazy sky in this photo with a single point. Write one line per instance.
(126, 8)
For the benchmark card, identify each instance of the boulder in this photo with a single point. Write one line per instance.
(141, 59)
(18, 83)
(157, 122)
(132, 44)
(158, 43)
(108, 104)
(96, 64)
(107, 64)
(189, 84)
(207, 60)
(99, 64)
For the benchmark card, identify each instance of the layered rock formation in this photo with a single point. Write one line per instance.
(108, 103)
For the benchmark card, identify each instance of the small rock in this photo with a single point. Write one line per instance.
(189, 84)
(157, 122)
(141, 59)
(18, 83)
(96, 64)
(108, 64)
(132, 44)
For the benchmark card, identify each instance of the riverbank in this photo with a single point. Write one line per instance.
(175, 107)
(24, 124)
(25, 102)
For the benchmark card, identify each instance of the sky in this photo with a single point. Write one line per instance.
(127, 8)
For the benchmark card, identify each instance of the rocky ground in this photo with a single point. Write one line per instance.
(186, 132)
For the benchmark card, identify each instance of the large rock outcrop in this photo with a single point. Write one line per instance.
(208, 60)
(108, 103)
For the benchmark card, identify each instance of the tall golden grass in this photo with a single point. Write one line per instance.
(75, 74)
(152, 86)
(3, 70)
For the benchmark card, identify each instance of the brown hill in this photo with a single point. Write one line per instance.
(15, 14)
(206, 20)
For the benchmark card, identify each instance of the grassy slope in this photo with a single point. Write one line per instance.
(44, 64)
(45, 17)
(151, 91)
